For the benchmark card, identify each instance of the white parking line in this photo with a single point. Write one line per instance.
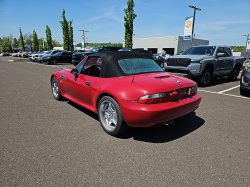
(219, 93)
(229, 89)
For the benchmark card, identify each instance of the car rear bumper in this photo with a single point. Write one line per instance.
(148, 115)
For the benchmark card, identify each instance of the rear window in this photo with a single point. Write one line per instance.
(141, 65)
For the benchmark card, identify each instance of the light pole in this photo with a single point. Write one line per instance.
(195, 8)
(247, 35)
(84, 36)
(43, 43)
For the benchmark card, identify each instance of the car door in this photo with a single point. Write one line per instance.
(80, 87)
(220, 65)
(229, 60)
(63, 57)
(69, 57)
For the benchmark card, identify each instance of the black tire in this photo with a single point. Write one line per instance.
(56, 89)
(243, 92)
(206, 78)
(109, 111)
(234, 74)
(54, 61)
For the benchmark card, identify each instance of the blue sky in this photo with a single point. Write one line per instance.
(222, 22)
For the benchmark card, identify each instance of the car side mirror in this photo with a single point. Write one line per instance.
(74, 72)
(220, 54)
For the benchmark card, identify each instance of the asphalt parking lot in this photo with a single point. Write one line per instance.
(44, 142)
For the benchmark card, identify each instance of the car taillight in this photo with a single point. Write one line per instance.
(168, 96)
(192, 90)
(152, 98)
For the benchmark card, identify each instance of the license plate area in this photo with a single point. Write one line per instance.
(182, 93)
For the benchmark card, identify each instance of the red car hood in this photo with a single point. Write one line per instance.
(161, 82)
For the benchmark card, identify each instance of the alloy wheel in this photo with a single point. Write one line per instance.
(55, 88)
(108, 115)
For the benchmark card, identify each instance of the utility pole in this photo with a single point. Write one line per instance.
(43, 43)
(195, 8)
(246, 43)
(83, 31)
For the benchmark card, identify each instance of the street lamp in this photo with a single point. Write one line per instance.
(247, 35)
(195, 8)
(84, 36)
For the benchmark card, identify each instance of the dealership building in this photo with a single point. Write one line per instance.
(170, 44)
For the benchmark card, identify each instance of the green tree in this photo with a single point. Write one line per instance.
(35, 42)
(21, 40)
(56, 43)
(179, 52)
(49, 45)
(15, 43)
(27, 38)
(6, 46)
(65, 31)
(71, 35)
(129, 23)
(41, 47)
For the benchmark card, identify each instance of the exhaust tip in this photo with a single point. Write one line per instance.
(170, 123)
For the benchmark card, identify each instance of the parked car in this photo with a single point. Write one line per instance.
(78, 57)
(205, 63)
(136, 50)
(6, 54)
(245, 78)
(126, 90)
(48, 53)
(79, 51)
(61, 57)
(32, 56)
(37, 56)
(160, 60)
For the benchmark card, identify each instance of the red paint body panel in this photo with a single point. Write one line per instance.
(127, 93)
(146, 115)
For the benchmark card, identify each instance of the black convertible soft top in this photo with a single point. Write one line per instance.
(110, 67)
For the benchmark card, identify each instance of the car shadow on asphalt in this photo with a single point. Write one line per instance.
(183, 126)
(84, 110)
(219, 81)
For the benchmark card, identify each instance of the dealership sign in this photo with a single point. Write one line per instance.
(188, 28)
(248, 45)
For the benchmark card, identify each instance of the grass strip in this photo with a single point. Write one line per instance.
(21, 60)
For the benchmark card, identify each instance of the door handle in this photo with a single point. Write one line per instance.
(88, 83)
(62, 77)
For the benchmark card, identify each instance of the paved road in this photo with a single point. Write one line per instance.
(44, 142)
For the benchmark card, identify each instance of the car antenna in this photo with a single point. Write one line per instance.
(133, 79)
(135, 70)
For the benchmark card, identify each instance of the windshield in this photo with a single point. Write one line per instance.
(206, 50)
(95, 49)
(57, 54)
(48, 52)
(141, 65)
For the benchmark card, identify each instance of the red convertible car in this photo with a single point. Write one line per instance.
(126, 89)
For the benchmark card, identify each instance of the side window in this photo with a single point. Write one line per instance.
(92, 67)
(227, 51)
(220, 50)
(105, 49)
(81, 64)
(114, 49)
